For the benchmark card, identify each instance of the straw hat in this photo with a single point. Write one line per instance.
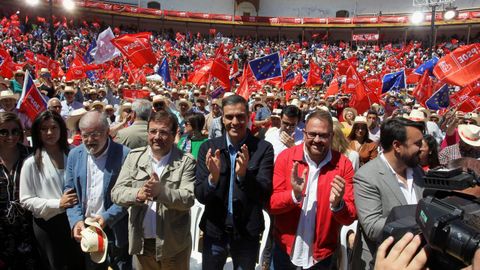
(126, 105)
(7, 94)
(94, 241)
(109, 107)
(470, 134)
(74, 117)
(360, 120)
(19, 72)
(417, 116)
(69, 89)
(44, 70)
(98, 103)
(184, 101)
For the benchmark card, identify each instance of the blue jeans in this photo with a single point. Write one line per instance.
(281, 261)
(244, 252)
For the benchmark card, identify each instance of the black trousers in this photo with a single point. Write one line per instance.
(57, 248)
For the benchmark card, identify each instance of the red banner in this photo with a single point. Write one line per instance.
(460, 67)
(132, 94)
(365, 37)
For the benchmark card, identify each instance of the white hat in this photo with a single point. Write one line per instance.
(69, 89)
(7, 94)
(360, 119)
(184, 101)
(417, 116)
(94, 241)
(74, 117)
(470, 134)
(98, 103)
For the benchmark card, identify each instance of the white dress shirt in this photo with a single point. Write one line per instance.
(302, 254)
(40, 191)
(95, 168)
(273, 137)
(150, 219)
(407, 189)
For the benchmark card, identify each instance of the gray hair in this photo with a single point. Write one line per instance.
(93, 118)
(142, 109)
(50, 101)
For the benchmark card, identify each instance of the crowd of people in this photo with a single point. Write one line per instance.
(101, 180)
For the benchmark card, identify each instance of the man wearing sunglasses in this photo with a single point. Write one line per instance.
(312, 198)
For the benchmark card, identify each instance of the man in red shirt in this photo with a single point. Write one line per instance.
(312, 198)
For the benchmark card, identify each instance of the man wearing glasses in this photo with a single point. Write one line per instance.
(233, 181)
(156, 183)
(289, 134)
(69, 104)
(312, 198)
(92, 170)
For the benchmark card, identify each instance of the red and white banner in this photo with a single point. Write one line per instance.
(132, 94)
(460, 67)
(365, 37)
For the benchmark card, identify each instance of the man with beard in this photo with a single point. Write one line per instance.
(392, 179)
(312, 198)
(92, 170)
(468, 146)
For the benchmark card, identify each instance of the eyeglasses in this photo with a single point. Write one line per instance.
(313, 135)
(161, 133)
(94, 135)
(7, 132)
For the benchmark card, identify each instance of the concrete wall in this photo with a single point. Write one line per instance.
(297, 8)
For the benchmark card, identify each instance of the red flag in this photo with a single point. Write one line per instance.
(76, 70)
(179, 37)
(343, 65)
(6, 64)
(248, 83)
(315, 75)
(333, 87)
(234, 72)
(424, 89)
(136, 48)
(201, 75)
(362, 105)
(221, 68)
(212, 31)
(354, 84)
(460, 67)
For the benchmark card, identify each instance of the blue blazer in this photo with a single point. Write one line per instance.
(115, 216)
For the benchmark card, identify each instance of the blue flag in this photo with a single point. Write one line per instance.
(429, 65)
(394, 81)
(164, 71)
(266, 67)
(289, 76)
(439, 99)
(88, 58)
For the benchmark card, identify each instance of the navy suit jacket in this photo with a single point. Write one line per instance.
(250, 193)
(115, 216)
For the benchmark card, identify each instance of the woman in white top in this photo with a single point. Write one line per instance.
(41, 192)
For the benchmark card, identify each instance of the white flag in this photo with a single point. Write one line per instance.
(105, 50)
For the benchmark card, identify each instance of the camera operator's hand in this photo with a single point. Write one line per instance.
(475, 263)
(403, 254)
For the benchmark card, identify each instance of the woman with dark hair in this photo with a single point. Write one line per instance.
(41, 192)
(429, 153)
(193, 138)
(359, 141)
(17, 248)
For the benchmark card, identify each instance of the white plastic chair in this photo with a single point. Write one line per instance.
(196, 214)
(266, 217)
(344, 244)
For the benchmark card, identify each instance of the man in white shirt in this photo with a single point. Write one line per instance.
(392, 179)
(69, 104)
(92, 170)
(289, 134)
(312, 198)
(156, 183)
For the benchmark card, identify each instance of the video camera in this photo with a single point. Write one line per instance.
(449, 222)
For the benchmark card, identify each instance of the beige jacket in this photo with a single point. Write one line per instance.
(173, 206)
